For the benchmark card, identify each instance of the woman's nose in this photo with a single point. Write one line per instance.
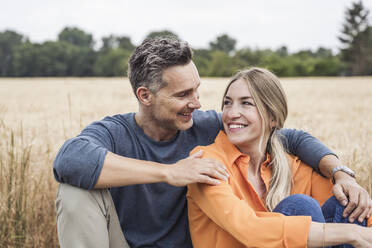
(234, 111)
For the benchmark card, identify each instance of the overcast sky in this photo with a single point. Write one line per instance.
(298, 24)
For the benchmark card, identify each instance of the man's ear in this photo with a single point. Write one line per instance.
(144, 95)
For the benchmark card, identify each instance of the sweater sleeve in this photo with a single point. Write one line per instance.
(303, 145)
(80, 159)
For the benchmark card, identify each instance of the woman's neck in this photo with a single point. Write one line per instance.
(257, 157)
(255, 162)
(256, 154)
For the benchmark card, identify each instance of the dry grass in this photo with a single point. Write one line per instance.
(37, 115)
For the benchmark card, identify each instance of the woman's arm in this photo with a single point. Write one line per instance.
(330, 234)
(237, 218)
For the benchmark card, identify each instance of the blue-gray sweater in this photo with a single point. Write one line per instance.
(153, 215)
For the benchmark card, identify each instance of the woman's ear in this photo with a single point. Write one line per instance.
(272, 123)
(144, 95)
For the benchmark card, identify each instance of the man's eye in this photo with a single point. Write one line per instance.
(183, 94)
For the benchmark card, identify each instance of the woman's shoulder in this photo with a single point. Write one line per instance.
(216, 150)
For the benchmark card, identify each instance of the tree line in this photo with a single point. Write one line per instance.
(74, 54)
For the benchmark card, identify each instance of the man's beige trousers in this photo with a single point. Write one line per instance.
(87, 218)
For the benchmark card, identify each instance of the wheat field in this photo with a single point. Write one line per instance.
(37, 115)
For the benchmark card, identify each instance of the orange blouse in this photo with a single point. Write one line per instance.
(232, 214)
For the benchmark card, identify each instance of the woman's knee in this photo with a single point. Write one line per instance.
(300, 204)
(301, 200)
(333, 212)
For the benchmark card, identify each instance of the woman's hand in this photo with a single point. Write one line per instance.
(331, 234)
(363, 237)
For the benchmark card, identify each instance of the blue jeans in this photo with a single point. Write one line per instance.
(330, 212)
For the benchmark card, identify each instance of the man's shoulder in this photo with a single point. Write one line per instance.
(114, 126)
(207, 118)
(115, 121)
(206, 125)
(127, 117)
(205, 114)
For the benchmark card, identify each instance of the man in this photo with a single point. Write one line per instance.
(142, 156)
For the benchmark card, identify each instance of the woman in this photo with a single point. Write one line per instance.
(268, 200)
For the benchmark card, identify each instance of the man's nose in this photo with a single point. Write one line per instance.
(194, 102)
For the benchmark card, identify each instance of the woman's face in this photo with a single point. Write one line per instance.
(240, 116)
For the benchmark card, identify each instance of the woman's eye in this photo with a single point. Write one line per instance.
(248, 103)
(226, 102)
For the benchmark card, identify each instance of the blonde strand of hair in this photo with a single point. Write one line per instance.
(281, 180)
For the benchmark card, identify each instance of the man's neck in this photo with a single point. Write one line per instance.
(153, 130)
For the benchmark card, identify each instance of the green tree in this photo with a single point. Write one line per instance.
(354, 38)
(9, 41)
(53, 59)
(323, 53)
(113, 41)
(47, 59)
(202, 58)
(126, 43)
(113, 56)
(327, 66)
(221, 65)
(247, 57)
(114, 62)
(81, 62)
(282, 51)
(26, 59)
(303, 63)
(109, 42)
(274, 62)
(368, 49)
(223, 43)
(162, 33)
(76, 37)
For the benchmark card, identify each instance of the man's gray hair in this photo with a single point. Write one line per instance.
(152, 57)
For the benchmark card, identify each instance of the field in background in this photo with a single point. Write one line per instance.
(38, 115)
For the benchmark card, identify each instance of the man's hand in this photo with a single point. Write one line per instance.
(347, 191)
(350, 194)
(195, 169)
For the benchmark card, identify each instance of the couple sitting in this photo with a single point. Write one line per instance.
(118, 176)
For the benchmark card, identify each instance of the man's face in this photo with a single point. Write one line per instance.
(173, 104)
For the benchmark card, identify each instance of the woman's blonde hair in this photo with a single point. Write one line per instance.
(271, 102)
